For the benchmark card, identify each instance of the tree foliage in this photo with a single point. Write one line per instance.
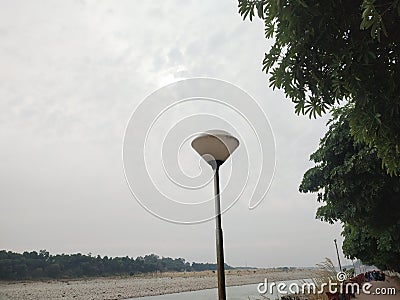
(33, 265)
(356, 191)
(375, 248)
(326, 52)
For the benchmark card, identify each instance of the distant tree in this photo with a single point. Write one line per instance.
(31, 265)
(44, 254)
(53, 270)
(325, 52)
(207, 266)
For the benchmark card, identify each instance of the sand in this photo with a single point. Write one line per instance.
(139, 286)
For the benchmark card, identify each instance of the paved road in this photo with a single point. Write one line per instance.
(380, 287)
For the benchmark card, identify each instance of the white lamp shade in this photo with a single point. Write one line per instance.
(215, 145)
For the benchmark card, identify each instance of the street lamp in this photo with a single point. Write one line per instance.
(215, 147)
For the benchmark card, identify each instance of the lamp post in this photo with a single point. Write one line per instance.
(337, 252)
(354, 267)
(215, 147)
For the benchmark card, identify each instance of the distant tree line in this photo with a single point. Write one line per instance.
(34, 265)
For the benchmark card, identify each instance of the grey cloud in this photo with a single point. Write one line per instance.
(72, 73)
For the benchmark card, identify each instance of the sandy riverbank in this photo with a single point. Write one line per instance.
(130, 287)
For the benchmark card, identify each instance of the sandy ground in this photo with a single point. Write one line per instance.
(130, 287)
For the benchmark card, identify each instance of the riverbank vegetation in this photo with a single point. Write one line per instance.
(41, 265)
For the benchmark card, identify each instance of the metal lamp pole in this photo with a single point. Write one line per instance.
(337, 252)
(219, 239)
(215, 147)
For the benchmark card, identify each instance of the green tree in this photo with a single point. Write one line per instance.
(31, 265)
(326, 52)
(53, 270)
(376, 248)
(356, 191)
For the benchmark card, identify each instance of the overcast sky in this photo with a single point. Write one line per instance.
(73, 72)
